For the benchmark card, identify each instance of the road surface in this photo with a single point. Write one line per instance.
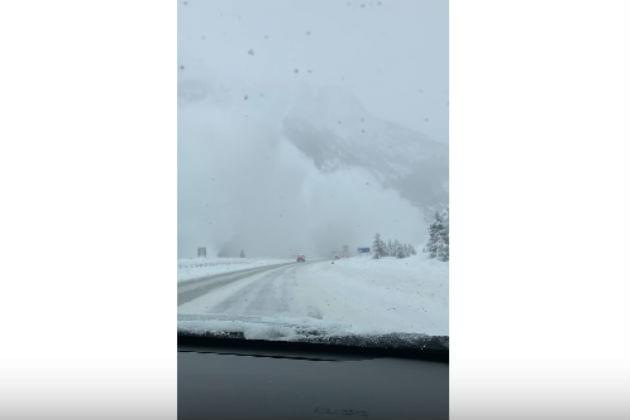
(285, 289)
(192, 289)
(361, 294)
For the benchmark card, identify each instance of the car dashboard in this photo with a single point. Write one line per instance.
(236, 379)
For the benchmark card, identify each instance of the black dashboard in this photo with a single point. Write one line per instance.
(223, 379)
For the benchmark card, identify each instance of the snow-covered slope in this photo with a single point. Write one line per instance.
(332, 128)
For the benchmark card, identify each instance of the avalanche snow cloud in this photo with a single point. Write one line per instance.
(298, 137)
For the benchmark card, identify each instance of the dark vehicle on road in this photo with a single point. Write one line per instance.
(301, 258)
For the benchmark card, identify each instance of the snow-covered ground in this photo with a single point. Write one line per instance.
(357, 295)
(193, 268)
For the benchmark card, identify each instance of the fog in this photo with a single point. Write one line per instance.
(306, 126)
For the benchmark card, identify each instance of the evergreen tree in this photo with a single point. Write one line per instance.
(444, 254)
(437, 247)
(398, 250)
(242, 255)
(406, 250)
(379, 247)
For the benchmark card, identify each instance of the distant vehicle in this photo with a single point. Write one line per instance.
(301, 258)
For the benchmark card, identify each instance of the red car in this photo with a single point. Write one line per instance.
(301, 258)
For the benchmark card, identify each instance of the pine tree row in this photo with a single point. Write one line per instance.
(391, 248)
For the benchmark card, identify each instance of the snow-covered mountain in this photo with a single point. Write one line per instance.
(332, 128)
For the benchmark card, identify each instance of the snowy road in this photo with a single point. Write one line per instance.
(354, 295)
(189, 290)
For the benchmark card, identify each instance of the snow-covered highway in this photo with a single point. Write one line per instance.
(355, 295)
(191, 289)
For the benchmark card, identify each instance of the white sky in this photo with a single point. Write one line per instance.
(393, 54)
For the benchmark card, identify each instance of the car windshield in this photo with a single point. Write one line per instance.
(313, 170)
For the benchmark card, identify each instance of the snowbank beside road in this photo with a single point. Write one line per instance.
(407, 295)
(194, 268)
